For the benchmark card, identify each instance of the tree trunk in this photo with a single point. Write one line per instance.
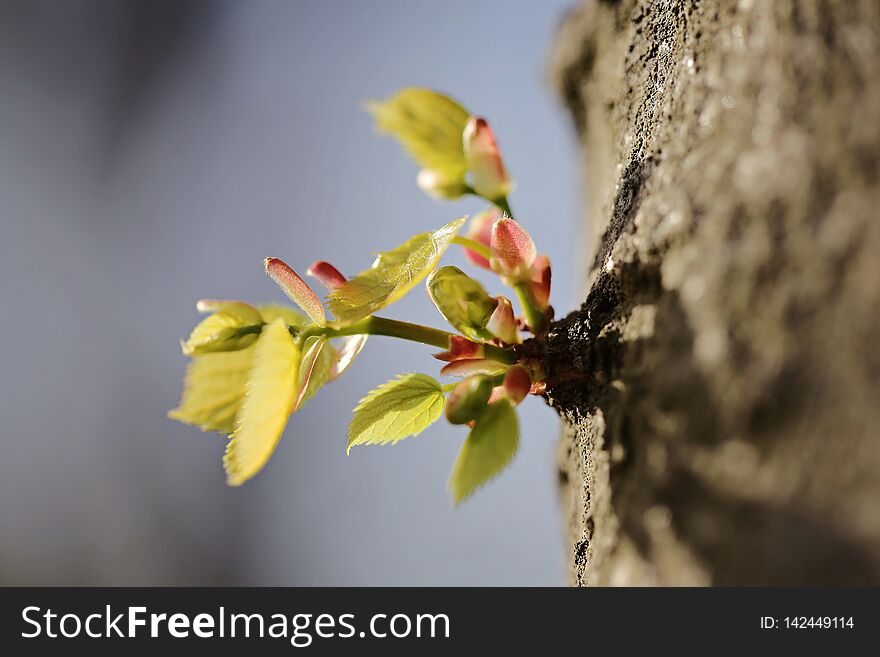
(720, 385)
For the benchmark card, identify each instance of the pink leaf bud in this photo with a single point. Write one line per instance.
(488, 175)
(461, 349)
(297, 289)
(513, 251)
(540, 282)
(326, 273)
(517, 383)
(480, 230)
(502, 324)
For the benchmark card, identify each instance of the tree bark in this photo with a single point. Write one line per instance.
(720, 385)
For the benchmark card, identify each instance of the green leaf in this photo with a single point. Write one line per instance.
(222, 331)
(403, 407)
(270, 394)
(213, 390)
(393, 275)
(489, 447)
(287, 314)
(429, 125)
(462, 301)
(318, 359)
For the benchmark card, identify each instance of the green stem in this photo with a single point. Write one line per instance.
(405, 331)
(473, 245)
(534, 317)
(504, 206)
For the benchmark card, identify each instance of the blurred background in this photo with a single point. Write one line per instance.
(153, 154)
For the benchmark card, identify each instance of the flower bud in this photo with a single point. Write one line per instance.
(297, 289)
(517, 383)
(513, 251)
(488, 175)
(461, 349)
(461, 300)
(326, 273)
(441, 187)
(468, 399)
(502, 324)
(539, 284)
(480, 230)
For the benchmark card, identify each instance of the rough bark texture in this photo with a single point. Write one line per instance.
(721, 383)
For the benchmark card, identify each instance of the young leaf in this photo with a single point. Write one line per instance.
(270, 393)
(429, 125)
(403, 407)
(393, 274)
(242, 311)
(213, 389)
(318, 360)
(225, 330)
(488, 448)
(462, 301)
(288, 315)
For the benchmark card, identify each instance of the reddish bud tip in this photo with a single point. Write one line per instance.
(480, 230)
(327, 274)
(461, 349)
(540, 282)
(517, 383)
(502, 324)
(297, 289)
(513, 251)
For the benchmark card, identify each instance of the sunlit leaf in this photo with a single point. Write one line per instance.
(242, 311)
(403, 407)
(487, 450)
(213, 390)
(225, 330)
(287, 314)
(393, 275)
(316, 366)
(270, 393)
(429, 125)
(462, 301)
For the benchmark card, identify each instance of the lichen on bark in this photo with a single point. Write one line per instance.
(721, 383)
